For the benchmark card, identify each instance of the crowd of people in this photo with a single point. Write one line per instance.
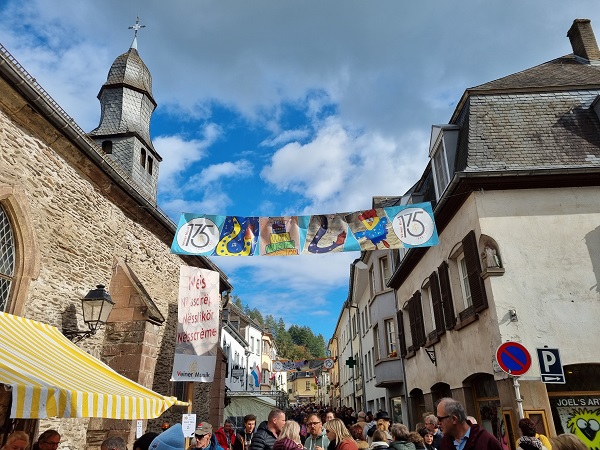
(311, 427)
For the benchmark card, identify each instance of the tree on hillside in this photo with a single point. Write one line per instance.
(238, 302)
(304, 336)
(271, 324)
(295, 343)
(255, 315)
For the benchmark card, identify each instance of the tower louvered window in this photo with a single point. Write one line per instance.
(7, 258)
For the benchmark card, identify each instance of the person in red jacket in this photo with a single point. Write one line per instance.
(226, 435)
(460, 434)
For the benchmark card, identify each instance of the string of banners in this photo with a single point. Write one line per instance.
(379, 228)
(305, 365)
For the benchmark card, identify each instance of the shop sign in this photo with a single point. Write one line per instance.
(580, 415)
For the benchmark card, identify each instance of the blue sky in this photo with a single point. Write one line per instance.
(281, 107)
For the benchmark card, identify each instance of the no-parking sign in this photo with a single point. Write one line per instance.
(513, 358)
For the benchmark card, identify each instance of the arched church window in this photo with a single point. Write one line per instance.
(143, 157)
(7, 258)
(107, 147)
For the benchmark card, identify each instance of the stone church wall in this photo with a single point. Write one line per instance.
(79, 232)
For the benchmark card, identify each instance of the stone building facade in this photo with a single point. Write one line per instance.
(78, 219)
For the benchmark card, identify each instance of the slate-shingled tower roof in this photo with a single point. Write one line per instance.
(124, 131)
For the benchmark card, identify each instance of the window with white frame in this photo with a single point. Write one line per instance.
(464, 280)
(363, 321)
(377, 342)
(372, 282)
(390, 336)
(384, 266)
(440, 170)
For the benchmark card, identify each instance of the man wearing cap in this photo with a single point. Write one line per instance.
(267, 432)
(205, 439)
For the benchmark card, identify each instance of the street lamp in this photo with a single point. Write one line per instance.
(96, 307)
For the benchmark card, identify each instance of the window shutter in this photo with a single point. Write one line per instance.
(401, 338)
(412, 320)
(448, 305)
(471, 253)
(436, 300)
(420, 323)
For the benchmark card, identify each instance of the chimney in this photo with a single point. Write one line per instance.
(583, 41)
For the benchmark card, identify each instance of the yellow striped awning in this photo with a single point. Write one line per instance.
(52, 377)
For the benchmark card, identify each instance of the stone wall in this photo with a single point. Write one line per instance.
(79, 229)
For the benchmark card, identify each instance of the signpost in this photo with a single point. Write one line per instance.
(551, 368)
(515, 360)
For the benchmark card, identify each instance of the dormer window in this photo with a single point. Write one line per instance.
(442, 151)
(440, 170)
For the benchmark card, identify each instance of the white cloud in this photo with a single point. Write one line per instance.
(178, 154)
(341, 171)
(285, 137)
(214, 173)
(316, 169)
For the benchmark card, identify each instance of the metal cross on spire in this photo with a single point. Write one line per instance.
(137, 27)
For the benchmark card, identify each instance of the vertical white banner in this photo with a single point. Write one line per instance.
(197, 325)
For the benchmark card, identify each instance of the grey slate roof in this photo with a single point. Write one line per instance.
(532, 131)
(126, 100)
(129, 69)
(534, 119)
(563, 73)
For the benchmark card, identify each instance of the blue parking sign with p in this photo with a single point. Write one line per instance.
(551, 368)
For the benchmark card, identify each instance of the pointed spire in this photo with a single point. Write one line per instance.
(137, 27)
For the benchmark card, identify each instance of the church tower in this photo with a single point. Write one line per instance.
(127, 105)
